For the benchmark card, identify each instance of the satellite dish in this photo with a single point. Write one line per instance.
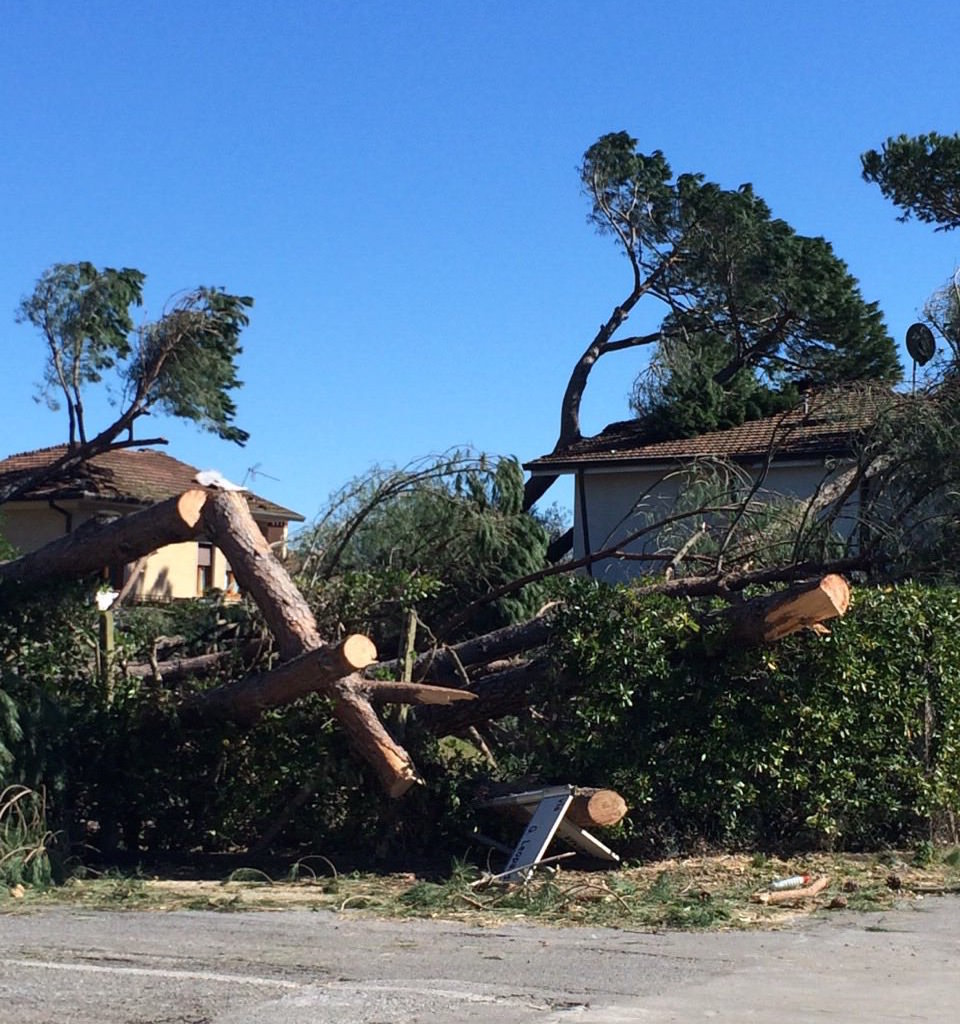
(920, 343)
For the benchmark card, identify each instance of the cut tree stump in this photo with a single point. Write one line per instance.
(596, 808)
(804, 605)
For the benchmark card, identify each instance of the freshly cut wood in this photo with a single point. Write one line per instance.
(768, 618)
(795, 895)
(311, 672)
(370, 739)
(228, 520)
(596, 808)
(411, 693)
(99, 542)
(590, 807)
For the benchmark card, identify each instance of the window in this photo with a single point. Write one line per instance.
(204, 567)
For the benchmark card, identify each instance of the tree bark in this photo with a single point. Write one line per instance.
(228, 520)
(444, 664)
(768, 618)
(370, 739)
(258, 572)
(498, 694)
(312, 671)
(96, 544)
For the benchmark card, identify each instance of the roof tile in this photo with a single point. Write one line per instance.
(825, 426)
(141, 476)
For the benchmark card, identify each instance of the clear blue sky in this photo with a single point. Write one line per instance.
(395, 183)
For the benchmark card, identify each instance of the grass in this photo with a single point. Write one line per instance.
(692, 893)
(24, 839)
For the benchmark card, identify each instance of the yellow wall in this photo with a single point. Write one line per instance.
(168, 574)
(30, 526)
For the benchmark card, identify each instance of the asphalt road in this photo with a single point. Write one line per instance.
(302, 967)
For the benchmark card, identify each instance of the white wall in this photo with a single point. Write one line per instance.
(620, 503)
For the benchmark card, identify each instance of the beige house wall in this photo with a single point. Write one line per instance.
(169, 574)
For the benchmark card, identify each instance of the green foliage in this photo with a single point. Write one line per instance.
(761, 307)
(184, 363)
(679, 396)
(24, 838)
(434, 536)
(921, 175)
(849, 740)
(126, 778)
(84, 317)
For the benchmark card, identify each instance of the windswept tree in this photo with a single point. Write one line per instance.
(921, 175)
(184, 364)
(765, 308)
(84, 317)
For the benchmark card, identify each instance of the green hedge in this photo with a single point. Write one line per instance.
(848, 740)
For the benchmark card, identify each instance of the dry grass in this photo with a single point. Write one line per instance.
(701, 892)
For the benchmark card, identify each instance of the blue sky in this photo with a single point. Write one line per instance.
(395, 184)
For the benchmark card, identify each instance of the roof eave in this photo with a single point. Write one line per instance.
(536, 468)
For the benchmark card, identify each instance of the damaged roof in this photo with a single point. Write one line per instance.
(823, 428)
(140, 476)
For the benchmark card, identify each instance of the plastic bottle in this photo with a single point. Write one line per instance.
(793, 882)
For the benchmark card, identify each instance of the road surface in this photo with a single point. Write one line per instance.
(301, 967)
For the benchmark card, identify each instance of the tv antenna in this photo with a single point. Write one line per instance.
(921, 346)
(254, 471)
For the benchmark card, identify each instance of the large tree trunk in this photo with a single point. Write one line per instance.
(229, 523)
(316, 670)
(97, 544)
(258, 572)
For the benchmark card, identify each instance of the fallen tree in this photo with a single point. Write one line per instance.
(310, 665)
(459, 686)
(98, 542)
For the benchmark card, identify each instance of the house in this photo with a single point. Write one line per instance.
(625, 485)
(116, 483)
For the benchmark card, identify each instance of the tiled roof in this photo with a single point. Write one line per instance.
(827, 426)
(139, 476)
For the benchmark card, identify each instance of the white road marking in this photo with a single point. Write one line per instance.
(153, 972)
(426, 987)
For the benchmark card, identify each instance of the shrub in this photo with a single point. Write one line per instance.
(851, 739)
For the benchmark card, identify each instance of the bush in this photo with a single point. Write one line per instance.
(848, 740)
